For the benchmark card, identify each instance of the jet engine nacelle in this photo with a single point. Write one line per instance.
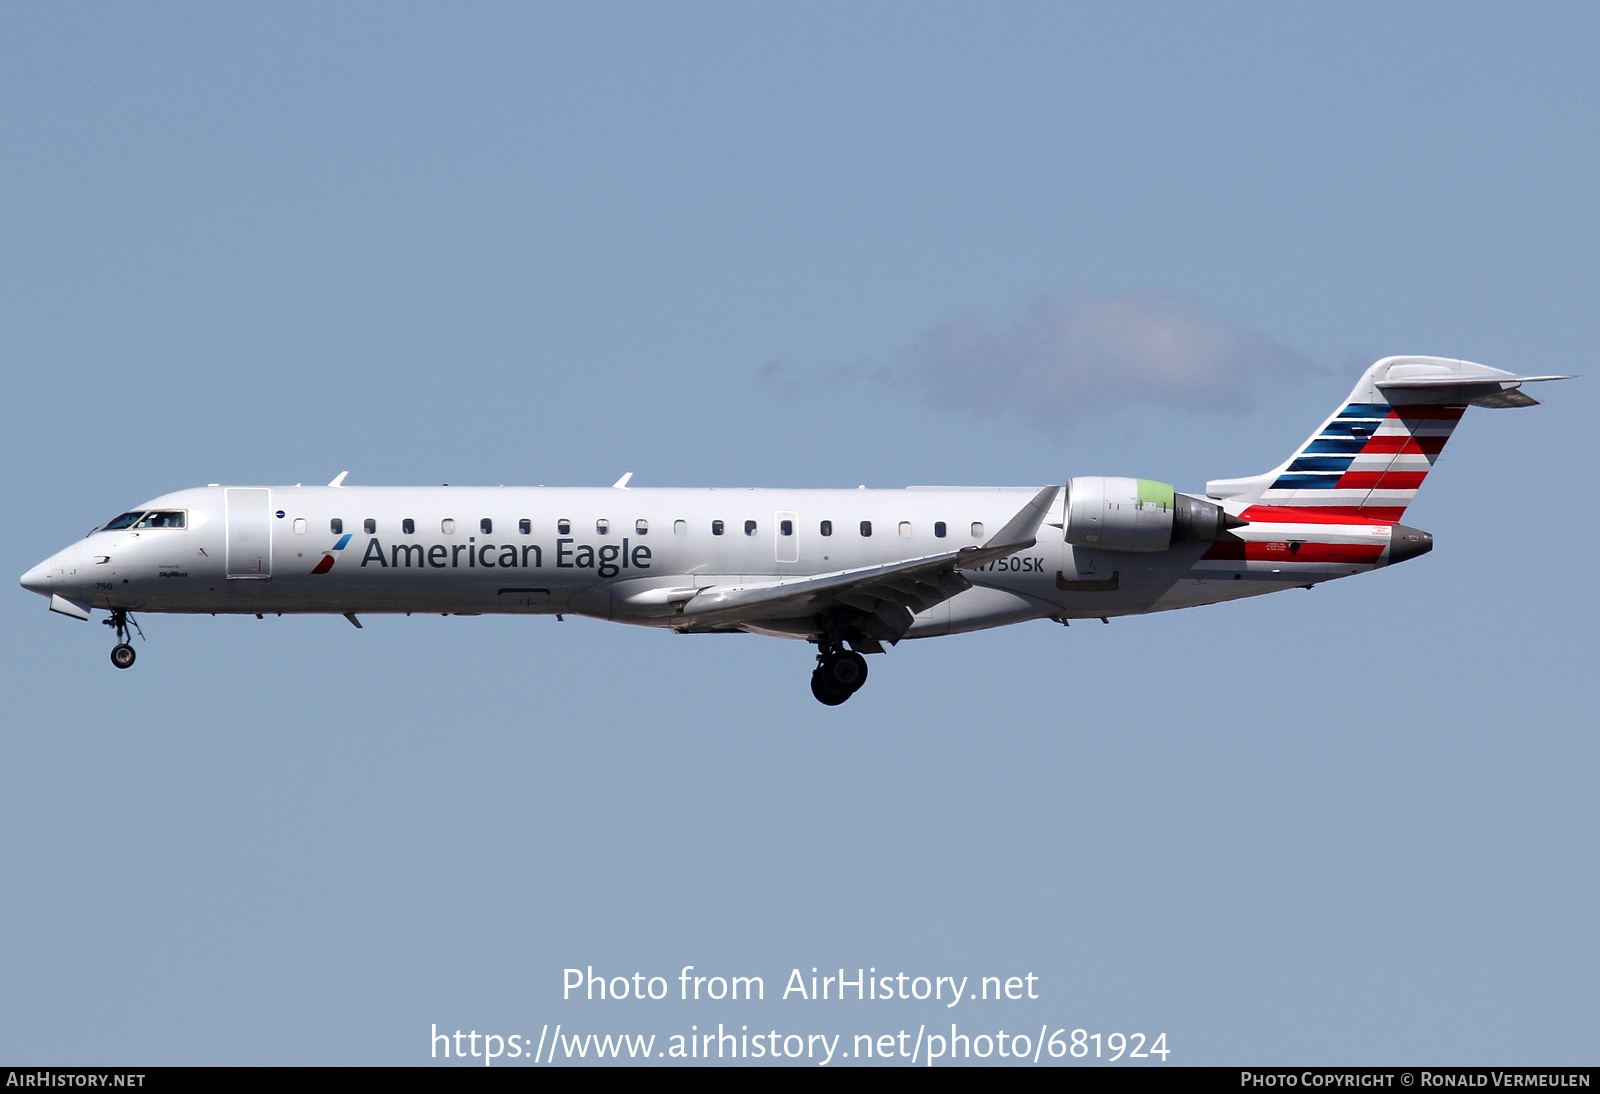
(1139, 515)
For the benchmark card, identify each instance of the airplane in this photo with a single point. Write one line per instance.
(850, 571)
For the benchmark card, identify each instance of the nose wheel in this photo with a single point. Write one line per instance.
(122, 623)
(839, 674)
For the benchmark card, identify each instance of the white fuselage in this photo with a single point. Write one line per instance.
(602, 551)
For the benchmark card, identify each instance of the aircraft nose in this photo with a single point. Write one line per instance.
(37, 580)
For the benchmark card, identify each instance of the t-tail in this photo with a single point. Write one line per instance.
(1367, 460)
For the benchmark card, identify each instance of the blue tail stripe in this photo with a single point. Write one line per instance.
(1311, 481)
(1322, 463)
(1348, 429)
(344, 539)
(1350, 445)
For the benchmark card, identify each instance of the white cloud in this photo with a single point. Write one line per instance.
(1094, 355)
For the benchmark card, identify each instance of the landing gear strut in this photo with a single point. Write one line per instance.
(121, 622)
(839, 674)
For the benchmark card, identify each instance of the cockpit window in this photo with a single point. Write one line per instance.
(126, 520)
(162, 518)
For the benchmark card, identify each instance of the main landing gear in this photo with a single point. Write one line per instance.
(122, 654)
(839, 674)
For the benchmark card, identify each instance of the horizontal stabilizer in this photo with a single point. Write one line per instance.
(1509, 398)
(1456, 381)
(1444, 380)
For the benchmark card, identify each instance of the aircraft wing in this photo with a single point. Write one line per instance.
(879, 600)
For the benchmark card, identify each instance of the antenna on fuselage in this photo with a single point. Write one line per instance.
(339, 480)
(622, 483)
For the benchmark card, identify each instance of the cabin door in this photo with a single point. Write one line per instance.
(249, 535)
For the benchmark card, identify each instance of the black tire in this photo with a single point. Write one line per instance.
(122, 655)
(846, 671)
(825, 692)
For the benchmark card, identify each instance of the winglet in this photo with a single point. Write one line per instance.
(339, 479)
(1022, 530)
(622, 483)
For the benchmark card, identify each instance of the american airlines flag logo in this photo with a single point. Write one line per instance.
(326, 563)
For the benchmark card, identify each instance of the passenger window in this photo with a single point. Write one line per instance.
(408, 526)
(827, 528)
(749, 527)
(786, 527)
(905, 529)
(299, 526)
(126, 520)
(525, 526)
(447, 526)
(369, 525)
(641, 527)
(564, 527)
(336, 526)
(602, 527)
(866, 527)
(716, 527)
(977, 529)
(938, 529)
(680, 527)
(486, 526)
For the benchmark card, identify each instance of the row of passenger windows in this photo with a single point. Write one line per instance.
(640, 527)
(485, 526)
(786, 528)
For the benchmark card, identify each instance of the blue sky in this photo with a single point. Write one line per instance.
(712, 244)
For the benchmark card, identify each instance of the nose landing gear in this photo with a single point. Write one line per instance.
(839, 674)
(121, 622)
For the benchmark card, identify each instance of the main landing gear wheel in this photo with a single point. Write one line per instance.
(838, 676)
(824, 693)
(846, 670)
(122, 655)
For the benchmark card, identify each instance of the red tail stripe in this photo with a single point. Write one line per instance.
(1391, 480)
(1429, 445)
(1386, 514)
(1321, 514)
(1344, 553)
(1430, 412)
(1325, 514)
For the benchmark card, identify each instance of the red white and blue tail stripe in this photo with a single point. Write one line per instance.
(1367, 460)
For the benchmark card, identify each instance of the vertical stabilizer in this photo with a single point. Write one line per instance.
(1370, 456)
